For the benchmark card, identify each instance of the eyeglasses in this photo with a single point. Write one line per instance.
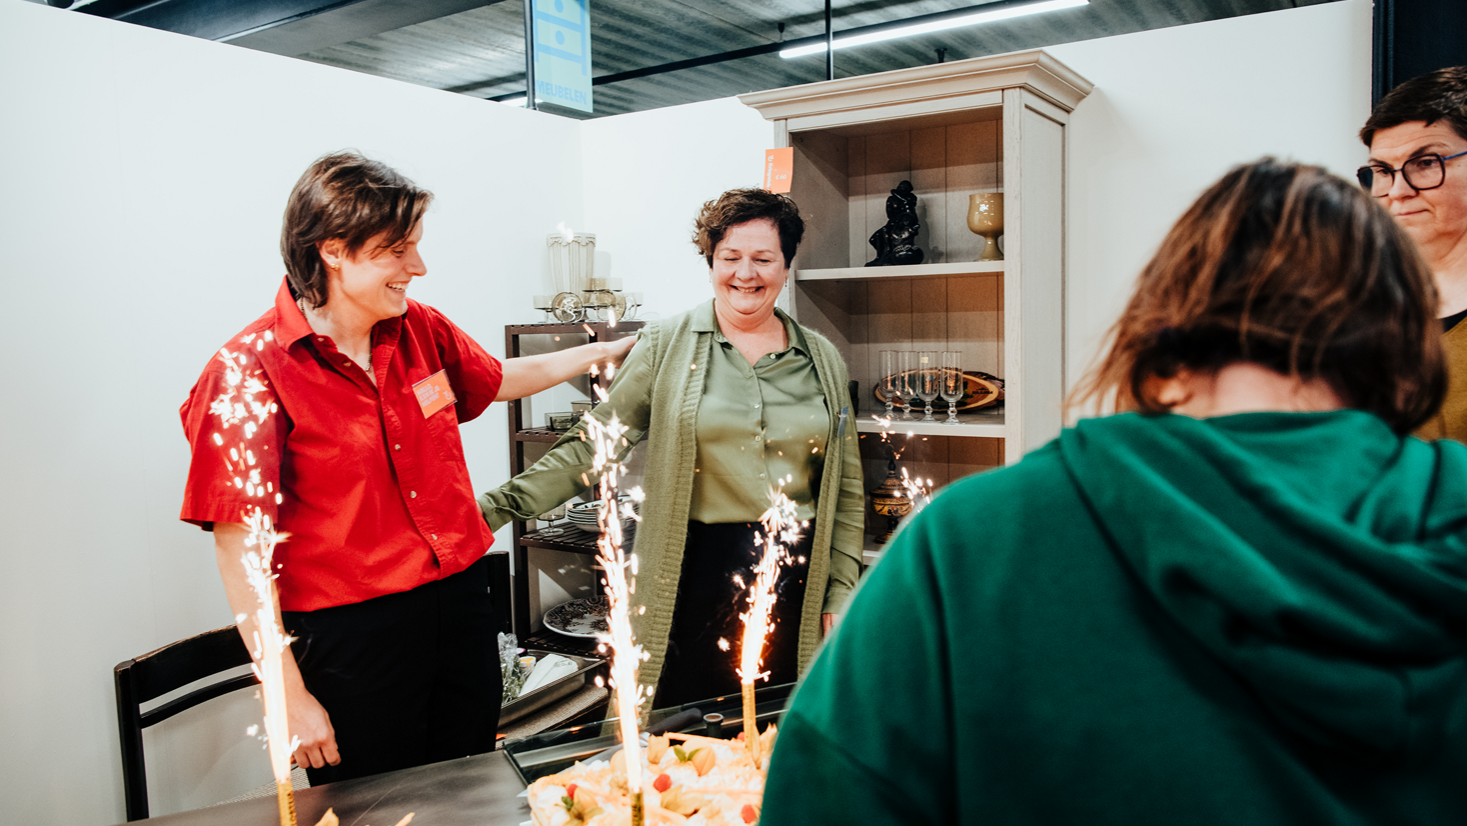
(1421, 172)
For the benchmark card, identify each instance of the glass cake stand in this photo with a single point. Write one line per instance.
(554, 751)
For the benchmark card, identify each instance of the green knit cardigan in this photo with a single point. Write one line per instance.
(657, 394)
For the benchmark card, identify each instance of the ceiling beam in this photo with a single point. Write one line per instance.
(824, 38)
(287, 27)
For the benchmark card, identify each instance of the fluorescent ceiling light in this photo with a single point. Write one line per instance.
(519, 101)
(935, 26)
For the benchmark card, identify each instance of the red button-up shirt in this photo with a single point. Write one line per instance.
(374, 494)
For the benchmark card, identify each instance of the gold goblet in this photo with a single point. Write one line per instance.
(985, 218)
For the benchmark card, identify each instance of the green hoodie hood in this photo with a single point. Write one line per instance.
(1318, 556)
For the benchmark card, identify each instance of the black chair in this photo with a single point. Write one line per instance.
(157, 673)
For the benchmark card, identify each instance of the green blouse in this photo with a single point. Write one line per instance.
(760, 427)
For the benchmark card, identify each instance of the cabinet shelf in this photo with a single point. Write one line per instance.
(561, 644)
(595, 328)
(563, 537)
(569, 538)
(908, 271)
(871, 553)
(982, 424)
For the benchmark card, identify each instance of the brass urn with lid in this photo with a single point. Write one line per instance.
(891, 500)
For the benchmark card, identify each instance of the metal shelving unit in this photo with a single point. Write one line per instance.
(566, 538)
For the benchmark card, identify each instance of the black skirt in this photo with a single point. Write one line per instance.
(709, 603)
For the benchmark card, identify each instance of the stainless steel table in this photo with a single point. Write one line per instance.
(472, 791)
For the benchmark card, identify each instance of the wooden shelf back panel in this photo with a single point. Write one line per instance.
(945, 164)
(962, 313)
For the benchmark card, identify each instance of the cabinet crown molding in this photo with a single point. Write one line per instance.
(1035, 70)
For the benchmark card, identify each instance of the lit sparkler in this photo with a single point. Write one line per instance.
(781, 531)
(885, 425)
(620, 584)
(246, 405)
(918, 490)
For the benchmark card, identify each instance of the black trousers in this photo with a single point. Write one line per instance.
(407, 678)
(708, 607)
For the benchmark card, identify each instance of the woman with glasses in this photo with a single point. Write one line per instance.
(1418, 171)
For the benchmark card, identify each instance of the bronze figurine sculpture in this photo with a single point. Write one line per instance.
(896, 242)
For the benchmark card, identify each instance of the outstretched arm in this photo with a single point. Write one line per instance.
(563, 471)
(308, 719)
(528, 375)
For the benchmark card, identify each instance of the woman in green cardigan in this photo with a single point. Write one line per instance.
(1243, 602)
(735, 400)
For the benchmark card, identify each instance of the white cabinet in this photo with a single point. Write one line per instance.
(953, 129)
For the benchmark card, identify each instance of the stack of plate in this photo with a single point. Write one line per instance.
(584, 515)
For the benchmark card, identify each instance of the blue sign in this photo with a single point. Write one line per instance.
(563, 53)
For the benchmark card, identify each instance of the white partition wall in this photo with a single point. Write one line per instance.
(1174, 109)
(144, 175)
(647, 174)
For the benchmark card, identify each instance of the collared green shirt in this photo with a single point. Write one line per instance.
(761, 427)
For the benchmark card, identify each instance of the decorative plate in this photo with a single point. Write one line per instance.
(980, 390)
(579, 617)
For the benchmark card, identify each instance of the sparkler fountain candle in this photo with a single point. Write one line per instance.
(246, 405)
(269, 649)
(620, 584)
(918, 490)
(781, 530)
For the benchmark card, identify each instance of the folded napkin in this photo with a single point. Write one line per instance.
(550, 668)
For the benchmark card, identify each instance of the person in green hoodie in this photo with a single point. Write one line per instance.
(1242, 600)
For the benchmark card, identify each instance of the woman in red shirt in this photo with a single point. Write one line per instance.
(382, 580)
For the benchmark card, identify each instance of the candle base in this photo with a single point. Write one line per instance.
(751, 724)
(637, 809)
(285, 793)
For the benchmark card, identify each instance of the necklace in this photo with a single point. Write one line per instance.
(301, 302)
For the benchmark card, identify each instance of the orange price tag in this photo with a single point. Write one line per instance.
(434, 394)
(779, 167)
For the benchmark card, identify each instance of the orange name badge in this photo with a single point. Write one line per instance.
(434, 394)
(779, 166)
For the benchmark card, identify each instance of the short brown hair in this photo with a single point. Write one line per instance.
(1291, 268)
(1434, 96)
(738, 206)
(344, 195)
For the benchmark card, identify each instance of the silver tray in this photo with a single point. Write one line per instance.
(550, 692)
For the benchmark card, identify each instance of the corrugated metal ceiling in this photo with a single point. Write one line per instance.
(477, 49)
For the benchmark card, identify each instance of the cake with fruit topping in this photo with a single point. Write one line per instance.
(686, 779)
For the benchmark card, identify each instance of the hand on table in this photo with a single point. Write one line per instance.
(310, 722)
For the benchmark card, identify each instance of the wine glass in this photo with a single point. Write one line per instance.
(951, 385)
(929, 379)
(890, 383)
(985, 218)
(906, 381)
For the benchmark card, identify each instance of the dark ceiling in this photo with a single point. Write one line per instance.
(477, 49)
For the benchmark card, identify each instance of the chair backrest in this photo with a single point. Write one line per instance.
(157, 673)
